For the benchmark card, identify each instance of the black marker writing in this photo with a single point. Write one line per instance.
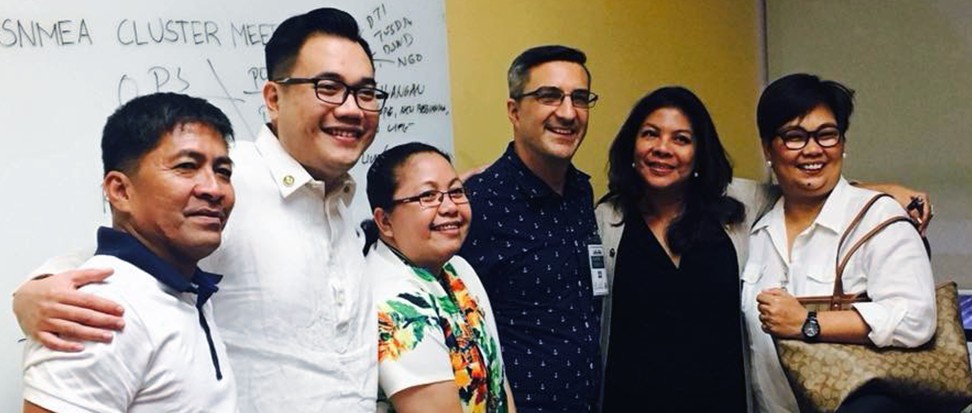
(394, 27)
(36, 34)
(247, 34)
(162, 78)
(259, 76)
(411, 59)
(232, 100)
(399, 127)
(195, 32)
(407, 90)
(376, 15)
(405, 40)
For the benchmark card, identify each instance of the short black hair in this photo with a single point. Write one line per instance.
(794, 96)
(519, 72)
(705, 195)
(287, 39)
(383, 181)
(138, 126)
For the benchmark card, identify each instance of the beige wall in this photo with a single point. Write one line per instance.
(709, 46)
(911, 65)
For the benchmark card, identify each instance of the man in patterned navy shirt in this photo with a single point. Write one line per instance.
(531, 232)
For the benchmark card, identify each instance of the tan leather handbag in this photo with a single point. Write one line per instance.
(935, 375)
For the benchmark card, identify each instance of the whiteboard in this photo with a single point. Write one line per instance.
(67, 64)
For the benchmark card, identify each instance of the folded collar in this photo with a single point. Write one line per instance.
(288, 174)
(126, 247)
(532, 186)
(832, 216)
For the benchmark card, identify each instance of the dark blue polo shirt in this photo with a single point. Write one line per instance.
(529, 246)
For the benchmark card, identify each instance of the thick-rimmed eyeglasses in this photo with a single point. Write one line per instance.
(336, 92)
(796, 138)
(432, 199)
(551, 96)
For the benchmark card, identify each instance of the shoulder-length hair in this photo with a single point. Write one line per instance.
(705, 198)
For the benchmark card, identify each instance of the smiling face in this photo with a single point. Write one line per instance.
(545, 133)
(428, 236)
(177, 199)
(664, 151)
(326, 139)
(812, 172)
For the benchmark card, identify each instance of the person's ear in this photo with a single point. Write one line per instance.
(117, 188)
(767, 150)
(383, 222)
(513, 110)
(271, 99)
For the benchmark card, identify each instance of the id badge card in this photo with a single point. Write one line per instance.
(599, 282)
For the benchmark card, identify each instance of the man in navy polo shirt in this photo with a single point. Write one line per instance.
(533, 233)
(167, 178)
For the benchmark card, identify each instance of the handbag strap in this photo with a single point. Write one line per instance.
(842, 262)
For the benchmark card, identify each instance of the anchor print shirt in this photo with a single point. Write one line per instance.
(529, 246)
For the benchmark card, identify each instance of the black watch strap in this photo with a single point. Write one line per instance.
(811, 327)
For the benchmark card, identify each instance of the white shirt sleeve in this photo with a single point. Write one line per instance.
(416, 353)
(902, 312)
(412, 347)
(61, 263)
(101, 378)
(64, 262)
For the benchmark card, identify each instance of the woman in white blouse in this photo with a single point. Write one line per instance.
(802, 123)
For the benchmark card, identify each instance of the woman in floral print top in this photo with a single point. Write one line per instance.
(438, 349)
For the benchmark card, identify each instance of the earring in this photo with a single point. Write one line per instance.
(769, 164)
(695, 174)
(633, 165)
(844, 154)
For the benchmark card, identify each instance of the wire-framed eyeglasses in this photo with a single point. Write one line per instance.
(431, 198)
(552, 96)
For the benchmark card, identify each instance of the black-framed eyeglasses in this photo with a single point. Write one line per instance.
(796, 137)
(431, 199)
(552, 96)
(335, 92)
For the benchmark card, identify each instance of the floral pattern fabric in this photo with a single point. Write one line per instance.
(428, 324)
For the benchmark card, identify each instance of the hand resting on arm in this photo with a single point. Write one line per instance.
(52, 311)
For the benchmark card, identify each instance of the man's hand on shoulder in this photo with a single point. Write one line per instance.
(52, 311)
(465, 176)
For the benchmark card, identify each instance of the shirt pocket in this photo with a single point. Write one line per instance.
(751, 276)
(752, 273)
(819, 280)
